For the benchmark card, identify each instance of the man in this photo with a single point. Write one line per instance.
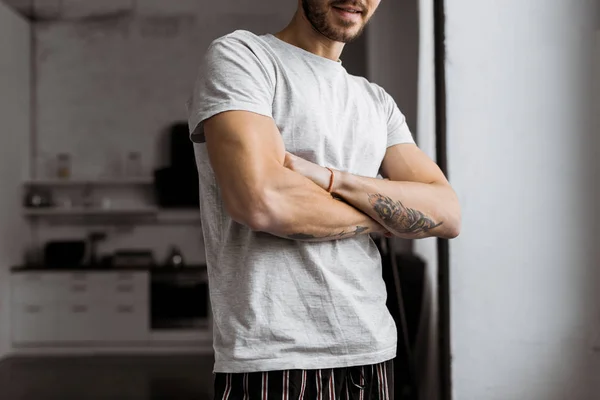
(289, 147)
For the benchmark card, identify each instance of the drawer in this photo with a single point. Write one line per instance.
(139, 279)
(103, 322)
(82, 288)
(104, 287)
(125, 292)
(35, 288)
(125, 289)
(28, 278)
(126, 322)
(79, 322)
(34, 323)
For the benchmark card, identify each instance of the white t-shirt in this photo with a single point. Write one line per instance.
(277, 303)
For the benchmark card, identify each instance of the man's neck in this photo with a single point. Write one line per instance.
(301, 33)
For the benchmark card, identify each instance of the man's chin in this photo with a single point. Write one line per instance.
(344, 37)
(347, 34)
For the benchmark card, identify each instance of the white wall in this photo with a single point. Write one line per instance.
(525, 290)
(110, 86)
(14, 151)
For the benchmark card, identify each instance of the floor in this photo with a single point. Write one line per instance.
(106, 377)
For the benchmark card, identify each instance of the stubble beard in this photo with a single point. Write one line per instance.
(318, 19)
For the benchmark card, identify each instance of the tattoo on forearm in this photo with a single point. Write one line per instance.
(399, 217)
(342, 234)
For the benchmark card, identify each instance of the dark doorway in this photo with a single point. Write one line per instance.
(443, 248)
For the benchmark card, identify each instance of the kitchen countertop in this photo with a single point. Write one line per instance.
(101, 268)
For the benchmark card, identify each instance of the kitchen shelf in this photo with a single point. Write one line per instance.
(135, 216)
(90, 182)
(78, 211)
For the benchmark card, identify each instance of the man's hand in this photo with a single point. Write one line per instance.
(316, 173)
(319, 175)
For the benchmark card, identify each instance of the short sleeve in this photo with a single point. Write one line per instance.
(232, 78)
(398, 130)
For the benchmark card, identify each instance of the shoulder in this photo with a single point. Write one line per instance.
(239, 36)
(239, 40)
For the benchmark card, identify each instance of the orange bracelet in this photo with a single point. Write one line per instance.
(331, 180)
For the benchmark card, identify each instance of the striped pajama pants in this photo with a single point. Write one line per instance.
(369, 382)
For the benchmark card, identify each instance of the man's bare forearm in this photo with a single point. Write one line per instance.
(409, 210)
(299, 209)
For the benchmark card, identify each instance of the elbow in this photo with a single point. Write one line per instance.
(259, 220)
(454, 223)
(450, 214)
(452, 230)
(256, 211)
(449, 229)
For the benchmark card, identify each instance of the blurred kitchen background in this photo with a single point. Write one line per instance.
(103, 291)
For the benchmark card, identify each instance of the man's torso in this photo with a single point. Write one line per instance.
(281, 304)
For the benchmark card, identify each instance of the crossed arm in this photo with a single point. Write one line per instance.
(262, 189)
(414, 201)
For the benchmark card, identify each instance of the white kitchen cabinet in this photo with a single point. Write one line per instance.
(78, 307)
(126, 308)
(34, 317)
(64, 307)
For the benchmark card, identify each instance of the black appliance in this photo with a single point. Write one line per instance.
(64, 253)
(179, 298)
(176, 185)
(181, 147)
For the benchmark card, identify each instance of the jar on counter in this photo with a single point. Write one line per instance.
(63, 166)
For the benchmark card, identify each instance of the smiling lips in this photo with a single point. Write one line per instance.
(349, 9)
(349, 12)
